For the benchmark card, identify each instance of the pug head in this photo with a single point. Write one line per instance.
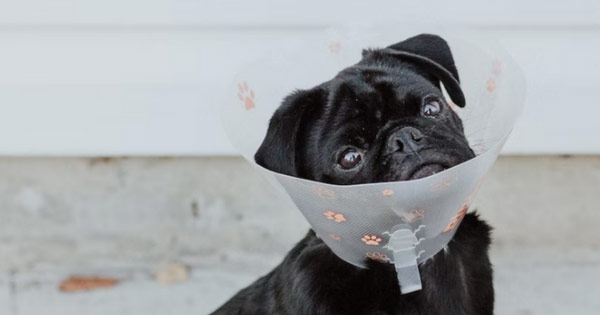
(382, 119)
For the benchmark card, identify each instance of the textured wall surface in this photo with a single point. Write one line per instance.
(73, 211)
(147, 77)
(126, 217)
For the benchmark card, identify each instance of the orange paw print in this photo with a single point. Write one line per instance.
(246, 95)
(337, 217)
(371, 239)
(490, 85)
(496, 67)
(456, 219)
(413, 216)
(378, 257)
(443, 183)
(387, 192)
(323, 192)
(335, 237)
(335, 47)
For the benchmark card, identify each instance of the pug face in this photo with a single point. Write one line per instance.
(383, 119)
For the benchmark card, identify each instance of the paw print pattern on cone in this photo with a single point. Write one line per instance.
(371, 239)
(490, 85)
(246, 95)
(496, 67)
(337, 217)
(456, 219)
(444, 182)
(413, 216)
(335, 237)
(323, 192)
(335, 47)
(378, 257)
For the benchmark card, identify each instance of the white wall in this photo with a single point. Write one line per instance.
(134, 77)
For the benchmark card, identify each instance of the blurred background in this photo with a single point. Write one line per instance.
(120, 193)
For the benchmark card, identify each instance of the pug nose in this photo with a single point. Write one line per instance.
(407, 139)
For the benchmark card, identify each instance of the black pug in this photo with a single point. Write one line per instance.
(383, 119)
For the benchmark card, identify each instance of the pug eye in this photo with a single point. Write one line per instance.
(350, 158)
(431, 108)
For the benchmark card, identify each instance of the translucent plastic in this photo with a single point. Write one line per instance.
(405, 222)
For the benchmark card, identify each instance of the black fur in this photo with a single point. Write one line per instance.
(374, 108)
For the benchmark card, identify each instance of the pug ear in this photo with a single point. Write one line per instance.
(432, 54)
(281, 149)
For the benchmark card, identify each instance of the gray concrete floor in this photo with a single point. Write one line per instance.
(124, 217)
(527, 282)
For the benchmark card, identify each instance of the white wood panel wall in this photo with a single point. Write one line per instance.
(134, 77)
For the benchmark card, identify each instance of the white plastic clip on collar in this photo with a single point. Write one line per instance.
(403, 242)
